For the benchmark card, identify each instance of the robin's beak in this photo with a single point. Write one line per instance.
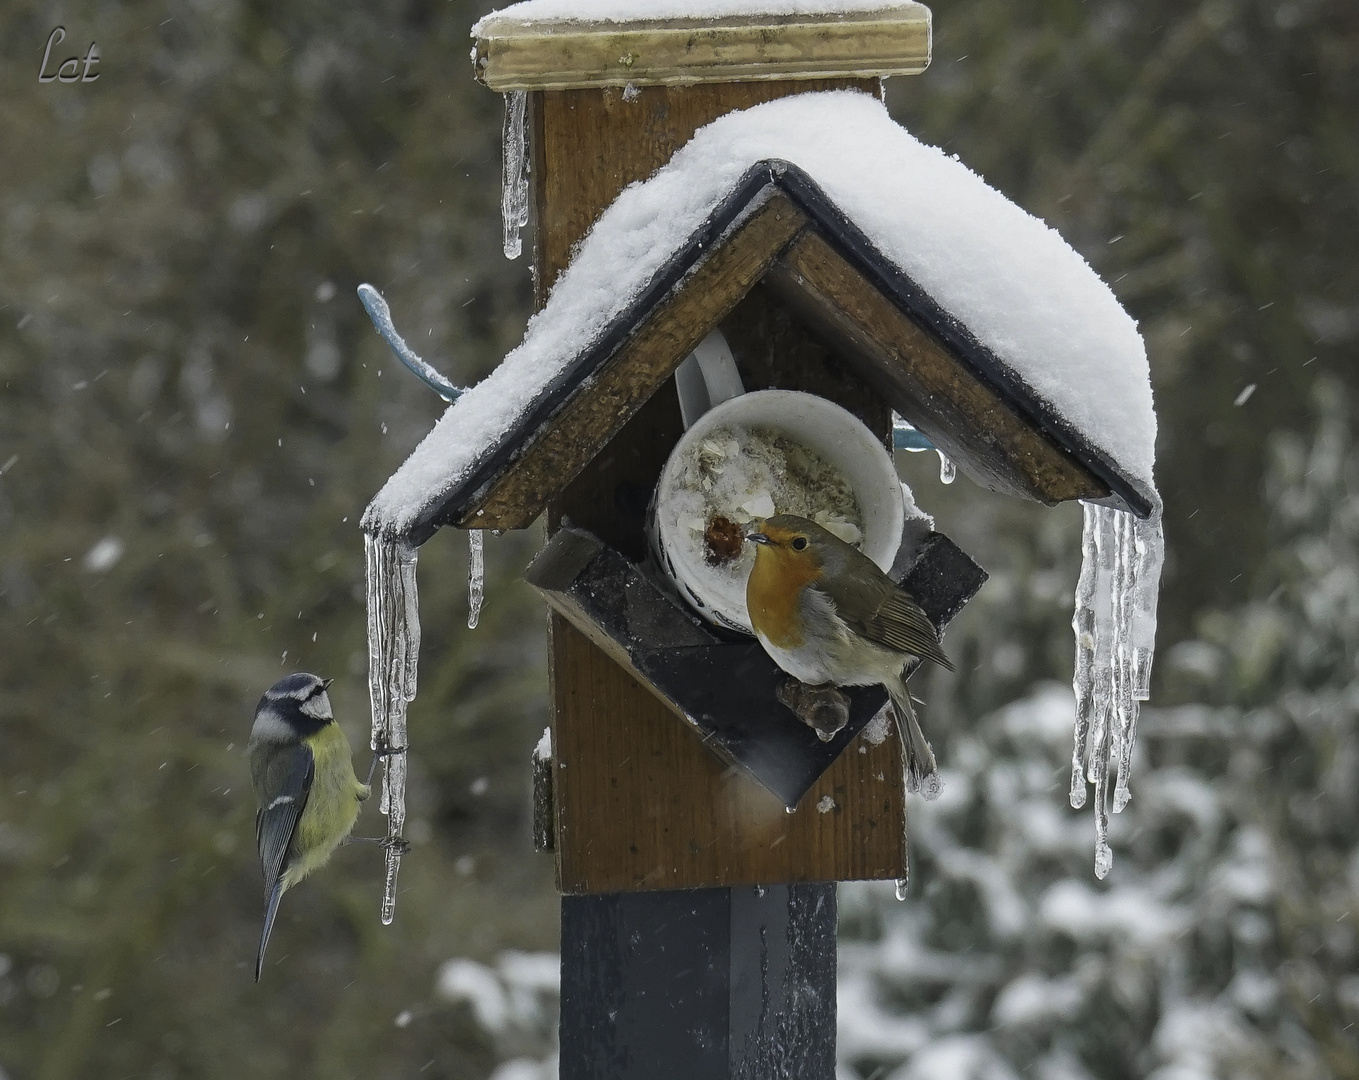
(759, 538)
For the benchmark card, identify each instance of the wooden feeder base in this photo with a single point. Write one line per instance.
(729, 691)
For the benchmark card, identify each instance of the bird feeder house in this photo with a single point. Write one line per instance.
(729, 181)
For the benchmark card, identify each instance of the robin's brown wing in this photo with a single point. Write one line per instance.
(874, 608)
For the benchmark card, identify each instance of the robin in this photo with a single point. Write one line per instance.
(826, 614)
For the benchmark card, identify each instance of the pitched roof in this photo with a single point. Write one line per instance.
(976, 320)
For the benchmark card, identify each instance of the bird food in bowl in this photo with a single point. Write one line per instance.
(760, 454)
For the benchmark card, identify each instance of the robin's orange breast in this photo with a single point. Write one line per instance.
(773, 593)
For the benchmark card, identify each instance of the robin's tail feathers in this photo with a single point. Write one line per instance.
(922, 772)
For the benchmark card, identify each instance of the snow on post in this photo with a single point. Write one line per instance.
(616, 11)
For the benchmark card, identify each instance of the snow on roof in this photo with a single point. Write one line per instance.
(1012, 280)
(532, 11)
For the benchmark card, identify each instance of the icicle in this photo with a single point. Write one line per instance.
(903, 888)
(514, 192)
(1083, 624)
(1115, 625)
(1124, 708)
(1102, 683)
(476, 575)
(948, 472)
(393, 654)
(1149, 548)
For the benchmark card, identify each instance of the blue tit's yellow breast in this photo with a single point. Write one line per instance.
(332, 803)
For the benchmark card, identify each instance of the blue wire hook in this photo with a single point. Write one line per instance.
(907, 437)
(381, 315)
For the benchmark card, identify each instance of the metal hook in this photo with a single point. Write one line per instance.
(377, 309)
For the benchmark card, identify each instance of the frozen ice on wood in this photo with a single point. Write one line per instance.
(531, 11)
(514, 191)
(393, 652)
(1013, 281)
(1115, 627)
(948, 472)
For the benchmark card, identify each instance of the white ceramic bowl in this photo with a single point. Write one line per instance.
(834, 434)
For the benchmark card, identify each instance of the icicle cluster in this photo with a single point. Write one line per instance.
(1115, 625)
(514, 191)
(393, 652)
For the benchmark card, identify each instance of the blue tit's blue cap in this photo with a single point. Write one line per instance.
(299, 685)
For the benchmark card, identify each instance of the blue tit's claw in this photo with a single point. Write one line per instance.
(398, 844)
(379, 752)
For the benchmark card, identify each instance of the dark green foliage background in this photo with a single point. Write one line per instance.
(184, 366)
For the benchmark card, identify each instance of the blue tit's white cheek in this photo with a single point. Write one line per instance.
(317, 707)
(269, 727)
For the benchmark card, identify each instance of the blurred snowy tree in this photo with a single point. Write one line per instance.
(1223, 943)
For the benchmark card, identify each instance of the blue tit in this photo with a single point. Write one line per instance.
(305, 783)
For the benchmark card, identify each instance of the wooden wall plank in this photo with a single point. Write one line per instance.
(911, 369)
(641, 804)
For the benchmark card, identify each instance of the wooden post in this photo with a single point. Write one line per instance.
(689, 948)
(640, 803)
(673, 983)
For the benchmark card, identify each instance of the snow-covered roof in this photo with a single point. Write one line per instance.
(1016, 286)
(533, 11)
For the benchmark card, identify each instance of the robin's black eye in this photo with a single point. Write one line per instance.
(799, 542)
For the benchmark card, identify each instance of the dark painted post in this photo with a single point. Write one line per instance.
(700, 984)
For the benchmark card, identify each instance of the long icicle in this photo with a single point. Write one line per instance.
(1083, 679)
(476, 575)
(1149, 548)
(1101, 722)
(514, 193)
(1124, 704)
(393, 653)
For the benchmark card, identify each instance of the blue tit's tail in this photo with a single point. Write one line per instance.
(922, 773)
(270, 912)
